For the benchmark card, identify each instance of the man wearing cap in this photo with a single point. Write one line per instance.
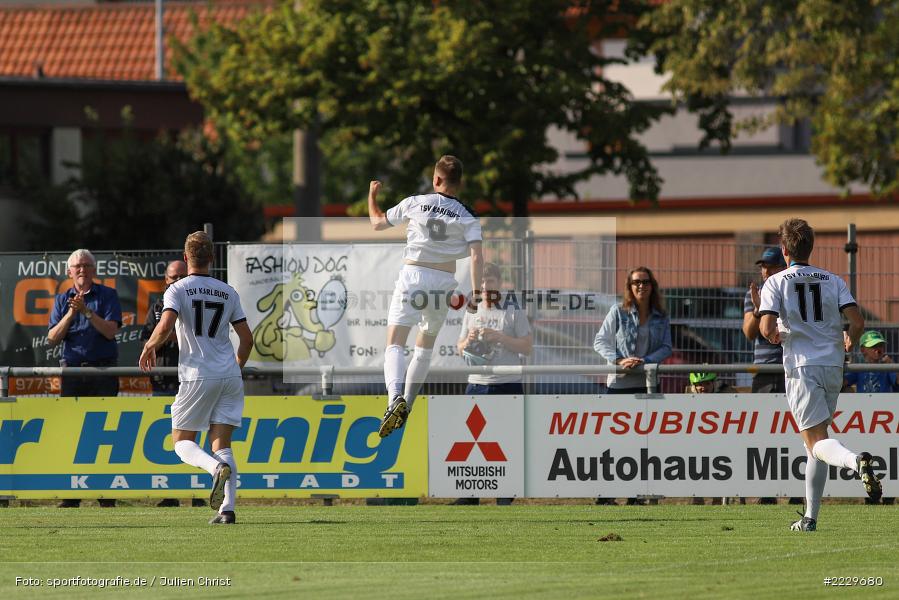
(874, 349)
(764, 352)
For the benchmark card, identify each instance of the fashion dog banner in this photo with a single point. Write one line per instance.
(327, 304)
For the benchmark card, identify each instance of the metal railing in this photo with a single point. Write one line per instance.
(328, 374)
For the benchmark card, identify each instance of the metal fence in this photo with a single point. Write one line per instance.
(330, 381)
(703, 281)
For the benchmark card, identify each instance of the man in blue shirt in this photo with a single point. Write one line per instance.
(85, 319)
(874, 348)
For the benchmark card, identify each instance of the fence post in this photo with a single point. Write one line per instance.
(327, 372)
(207, 228)
(528, 279)
(851, 249)
(652, 377)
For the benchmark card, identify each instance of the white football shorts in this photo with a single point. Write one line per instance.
(421, 298)
(201, 402)
(812, 393)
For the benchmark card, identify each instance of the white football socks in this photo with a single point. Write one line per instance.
(815, 478)
(417, 373)
(834, 453)
(225, 455)
(394, 371)
(189, 452)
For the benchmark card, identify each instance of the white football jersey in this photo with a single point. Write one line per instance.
(206, 307)
(808, 302)
(440, 227)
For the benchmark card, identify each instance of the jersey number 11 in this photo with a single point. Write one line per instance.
(817, 309)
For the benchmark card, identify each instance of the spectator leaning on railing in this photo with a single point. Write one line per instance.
(85, 319)
(634, 332)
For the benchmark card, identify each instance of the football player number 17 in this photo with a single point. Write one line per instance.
(217, 307)
(437, 229)
(815, 292)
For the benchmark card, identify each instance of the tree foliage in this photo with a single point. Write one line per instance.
(137, 193)
(835, 62)
(393, 84)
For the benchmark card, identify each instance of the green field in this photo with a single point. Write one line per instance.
(431, 551)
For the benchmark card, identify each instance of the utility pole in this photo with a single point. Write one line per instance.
(307, 185)
(160, 42)
(851, 249)
(307, 178)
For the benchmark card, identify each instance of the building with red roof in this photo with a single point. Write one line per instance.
(67, 69)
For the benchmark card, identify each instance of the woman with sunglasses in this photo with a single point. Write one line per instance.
(635, 332)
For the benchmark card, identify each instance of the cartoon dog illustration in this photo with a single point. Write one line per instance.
(292, 329)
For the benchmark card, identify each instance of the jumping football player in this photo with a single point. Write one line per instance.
(210, 393)
(807, 302)
(440, 230)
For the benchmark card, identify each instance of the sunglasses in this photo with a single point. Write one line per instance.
(641, 282)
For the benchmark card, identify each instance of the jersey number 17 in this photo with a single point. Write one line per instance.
(217, 307)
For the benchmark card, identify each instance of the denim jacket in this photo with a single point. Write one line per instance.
(617, 337)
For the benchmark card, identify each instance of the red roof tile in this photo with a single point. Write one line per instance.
(109, 42)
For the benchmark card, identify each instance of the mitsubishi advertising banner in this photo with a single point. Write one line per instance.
(703, 445)
(476, 446)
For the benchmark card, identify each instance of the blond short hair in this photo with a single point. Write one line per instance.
(798, 238)
(198, 249)
(450, 168)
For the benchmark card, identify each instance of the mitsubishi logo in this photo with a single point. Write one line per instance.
(461, 450)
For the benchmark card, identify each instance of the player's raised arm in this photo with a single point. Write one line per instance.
(376, 215)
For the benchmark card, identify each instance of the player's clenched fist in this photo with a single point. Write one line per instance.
(374, 187)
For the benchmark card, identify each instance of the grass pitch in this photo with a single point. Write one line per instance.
(433, 551)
